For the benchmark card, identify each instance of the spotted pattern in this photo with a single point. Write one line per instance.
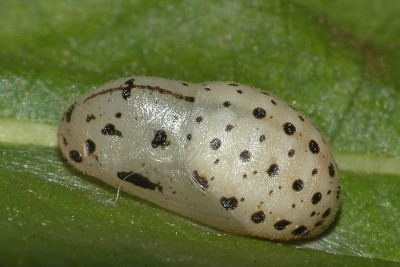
(126, 93)
(227, 104)
(245, 156)
(160, 139)
(326, 213)
(314, 172)
(282, 225)
(316, 198)
(90, 117)
(68, 113)
(331, 170)
(208, 146)
(109, 129)
(229, 203)
(258, 217)
(259, 113)
(289, 128)
(75, 156)
(139, 180)
(299, 230)
(273, 170)
(314, 147)
(201, 180)
(298, 185)
(215, 144)
(229, 127)
(90, 146)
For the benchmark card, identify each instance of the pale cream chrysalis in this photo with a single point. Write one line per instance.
(232, 157)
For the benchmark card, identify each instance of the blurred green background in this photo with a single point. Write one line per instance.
(336, 61)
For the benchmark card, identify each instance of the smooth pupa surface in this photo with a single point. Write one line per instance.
(232, 157)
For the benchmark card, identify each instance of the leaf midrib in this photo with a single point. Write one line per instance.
(14, 131)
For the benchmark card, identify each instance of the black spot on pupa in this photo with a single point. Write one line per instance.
(258, 217)
(185, 84)
(118, 115)
(232, 84)
(227, 104)
(312, 214)
(316, 198)
(229, 127)
(68, 113)
(331, 170)
(199, 119)
(289, 128)
(65, 141)
(326, 213)
(245, 156)
(242, 199)
(139, 180)
(215, 144)
(259, 113)
(318, 223)
(273, 170)
(265, 93)
(338, 192)
(314, 147)
(75, 156)
(329, 192)
(109, 129)
(189, 137)
(301, 117)
(160, 139)
(130, 82)
(299, 230)
(239, 91)
(291, 153)
(298, 185)
(262, 138)
(282, 224)
(314, 172)
(202, 181)
(229, 203)
(273, 102)
(216, 161)
(90, 146)
(126, 93)
(207, 88)
(90, 117)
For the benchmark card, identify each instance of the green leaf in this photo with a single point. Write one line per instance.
(336, 62)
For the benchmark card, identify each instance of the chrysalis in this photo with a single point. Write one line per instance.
(232, 157)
